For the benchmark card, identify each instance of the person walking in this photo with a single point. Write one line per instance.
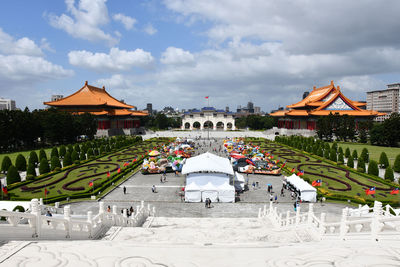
(295, 206)
(276, 199)
(48, 214)
(153, 189)
(124, 189)
(271, 197)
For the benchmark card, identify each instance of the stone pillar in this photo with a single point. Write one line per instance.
(37, 224)
(67, 224)
(41, 201)
(343, 226)
(376, 225)
(288, 217)
(115, 214)
(322, 225)
(259, 213)
(298, 215)
(310, 213)
(101, 207)
(90, 221)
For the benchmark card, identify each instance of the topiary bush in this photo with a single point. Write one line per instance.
(33, 158)
(42, 155)
(361, 165)
(67, 159)
(383, 160)
(20, 163)
(13, 175)
(332, 155)
(320, 152)
(389, 175)
(63, 151)
(77, 148)
(334, 146)
(365, 155)
(44, 166)
(355, 154)
(340, 150)
(396, 166)
(74, 156)
(31, 170)
(82, 156)
(347, 153)
(55, 163)
(350, 162)
(326, 153)
(373, 168)
(54, 153)
(19, 208)
(89, 153)
(5, 164)
(340, 157)
(70, 149)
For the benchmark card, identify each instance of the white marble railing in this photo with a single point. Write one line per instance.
(380, 223)
(34, 225)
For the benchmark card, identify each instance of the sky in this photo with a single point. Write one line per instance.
(176, 52)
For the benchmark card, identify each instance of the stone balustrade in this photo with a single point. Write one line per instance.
(35, 225)
(378, 224)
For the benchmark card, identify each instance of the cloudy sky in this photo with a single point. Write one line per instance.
(176, 52)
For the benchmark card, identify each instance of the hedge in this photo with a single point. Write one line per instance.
(373, 168)
(13, 175)
(332, 155)
(5, 164)
(383, 160)
(361, 165)
(347, 153)
(396, 166)
(63, 151)
(31, 170)
(55, 163)
(389, 175)
(54, 153)
(67, 161)
(350, 162)
(355, 154)
(33, 157)
(42, 154)
(44, 166)
(365, 155)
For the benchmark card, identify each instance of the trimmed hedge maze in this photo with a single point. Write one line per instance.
(74, 182)
(338, 181)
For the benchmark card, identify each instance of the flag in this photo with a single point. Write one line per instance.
(300, 173)
(134, 160)
(283, 165)
(126, 164)
(206, 97)
(370, 191)
(108, 174)
(119, 170)
(293, 170)
(91, 183)
(5, 191)
(395, 191)
(317, 182)
(46, 191)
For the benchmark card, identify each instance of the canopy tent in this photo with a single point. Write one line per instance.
(226, 193)
(307, 192)
(207, 162)
(192, 193)
(239, 182)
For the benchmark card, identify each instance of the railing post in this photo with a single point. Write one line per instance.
(322, 224)
(270, 207)
(387, 211)
(259, 213)
(90, 221)
(298, 215)
(287, 218)
(154, 211)
(265, 210)
(124, 217)
(310, 213)
(115, 214)
(359, 210)
(38, 220)
(67, 217)
(343, 226)
(375, 224)
(41, 201)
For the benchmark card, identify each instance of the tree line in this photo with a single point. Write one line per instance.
(160, 122)
(255, 122)
(27, 130)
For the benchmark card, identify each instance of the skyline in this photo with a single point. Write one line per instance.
(176, 52)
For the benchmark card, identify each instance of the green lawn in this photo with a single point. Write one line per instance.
(336, 180)
(374, 151)
(14, 155)
(76, 180)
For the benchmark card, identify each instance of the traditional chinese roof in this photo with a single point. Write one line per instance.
(115, 112)
(323, 101)
(89, 96)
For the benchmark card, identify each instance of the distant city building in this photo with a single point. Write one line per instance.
(250, 109)
(7, 104)
(227, 109)
(149, 108)
(257, 110)
(386, 101)
(208, 118)
(56, 97)
(305, 94)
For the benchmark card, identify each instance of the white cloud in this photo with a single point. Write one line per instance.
(86, 21)
(149, 29)
(127, 21)
(176, 56)
(22, 46)
(116, 60)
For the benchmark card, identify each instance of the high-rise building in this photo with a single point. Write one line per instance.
(226, 109)
(385, 101)
(149, 108)
(250, 107)
(7, 104)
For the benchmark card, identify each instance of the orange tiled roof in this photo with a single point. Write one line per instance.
(317, 94)
(89, 96)
(115, 112)
(278, 113)
(297, 112)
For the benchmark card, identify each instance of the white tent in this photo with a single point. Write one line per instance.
(226, 193)
(239, 181)
(307, 192)
(192, 193)
(207, 162)
(209, 191)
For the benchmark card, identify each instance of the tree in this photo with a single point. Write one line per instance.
(74, 156)
(5, 164)
(396, 165)
(42, 155)
(326, 153)
(31, 171)
(70, 149)
(340, 157)
(320, 152)
(350, 162)
(383, 160)
(334, 146)
(82, 155)
(54, 152)
(361, 165)
(354, 154)
(340, 150)
(63, 151)
(89, 153)
(20, 163)
(77, 148)
(33, 158)
(373, 168)
(13, 175)
(365, 155)
(44, 166)
(333, 155)
(347, 153)
(55, 163)
(389, 175)
(67, 159)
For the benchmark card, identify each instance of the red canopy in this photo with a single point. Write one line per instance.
(237, 156)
